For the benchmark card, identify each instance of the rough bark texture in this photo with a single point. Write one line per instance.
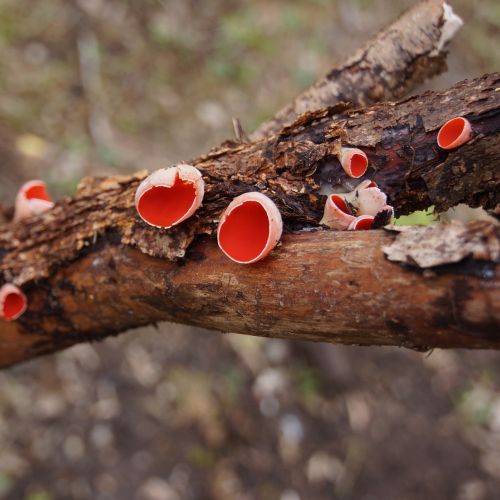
(84, 281)
(399, 139)
(432, 246)
(387, 67)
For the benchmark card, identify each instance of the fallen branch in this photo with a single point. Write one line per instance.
(84, 281)
(399, 139)
(320, 286)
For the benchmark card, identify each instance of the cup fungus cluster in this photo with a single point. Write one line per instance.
(249, 228)
(251, 225)
(356, 210)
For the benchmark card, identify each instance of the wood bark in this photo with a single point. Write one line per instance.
(319, 286)
(85, 281)
(389, 66)
(399, 139)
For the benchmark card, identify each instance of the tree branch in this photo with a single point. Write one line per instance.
(84, 281)
(320, 286)
(399, 139)
(390, 65)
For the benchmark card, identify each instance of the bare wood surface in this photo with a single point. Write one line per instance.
(319, 286)
(407, 52)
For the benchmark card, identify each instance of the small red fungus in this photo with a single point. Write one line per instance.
(337, 214)
(249, 228)
(170, 195)
(342, 210)
(32, 198)
(454, 133)
(13, 302)
(354, 162)
(361, 223)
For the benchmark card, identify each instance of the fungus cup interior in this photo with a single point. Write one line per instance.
(37, 192)
(340, 203)
(450, 132)
(364, 224)
(13, 305)
(359, 164)
(164, 206)
(244, 233)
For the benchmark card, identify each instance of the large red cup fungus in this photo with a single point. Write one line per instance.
(454, 133)
(354, 162)
(13, 302)
(32, 198)
(249, 228)
(170, 195)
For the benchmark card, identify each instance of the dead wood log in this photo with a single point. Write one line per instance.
(389, 66)
(319, 286)
(84, 281)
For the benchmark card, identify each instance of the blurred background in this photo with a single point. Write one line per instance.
(94, 87)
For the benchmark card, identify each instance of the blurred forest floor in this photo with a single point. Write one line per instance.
(106, 86)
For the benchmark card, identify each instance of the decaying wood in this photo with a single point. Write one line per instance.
(387, 67)
(85, 281)
(399, 139)
(318, 285)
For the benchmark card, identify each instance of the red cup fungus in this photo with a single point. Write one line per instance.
(337, 214)
(454, 133)
(32, 198)
(13, 302)
(170, 195)
(354, 162)
(249, 228)
(343, 211)
(361, 223)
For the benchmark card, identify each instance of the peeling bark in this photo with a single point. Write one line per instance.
(390, 65)
(438, 245)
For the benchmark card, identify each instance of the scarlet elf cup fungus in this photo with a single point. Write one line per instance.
(357, 209)
(32, 198)
(353, 161)
(249, 228)
(170, 195)
(367, 199)
(454, 133)
(361, 223)
(337, 214)
(13, 302)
